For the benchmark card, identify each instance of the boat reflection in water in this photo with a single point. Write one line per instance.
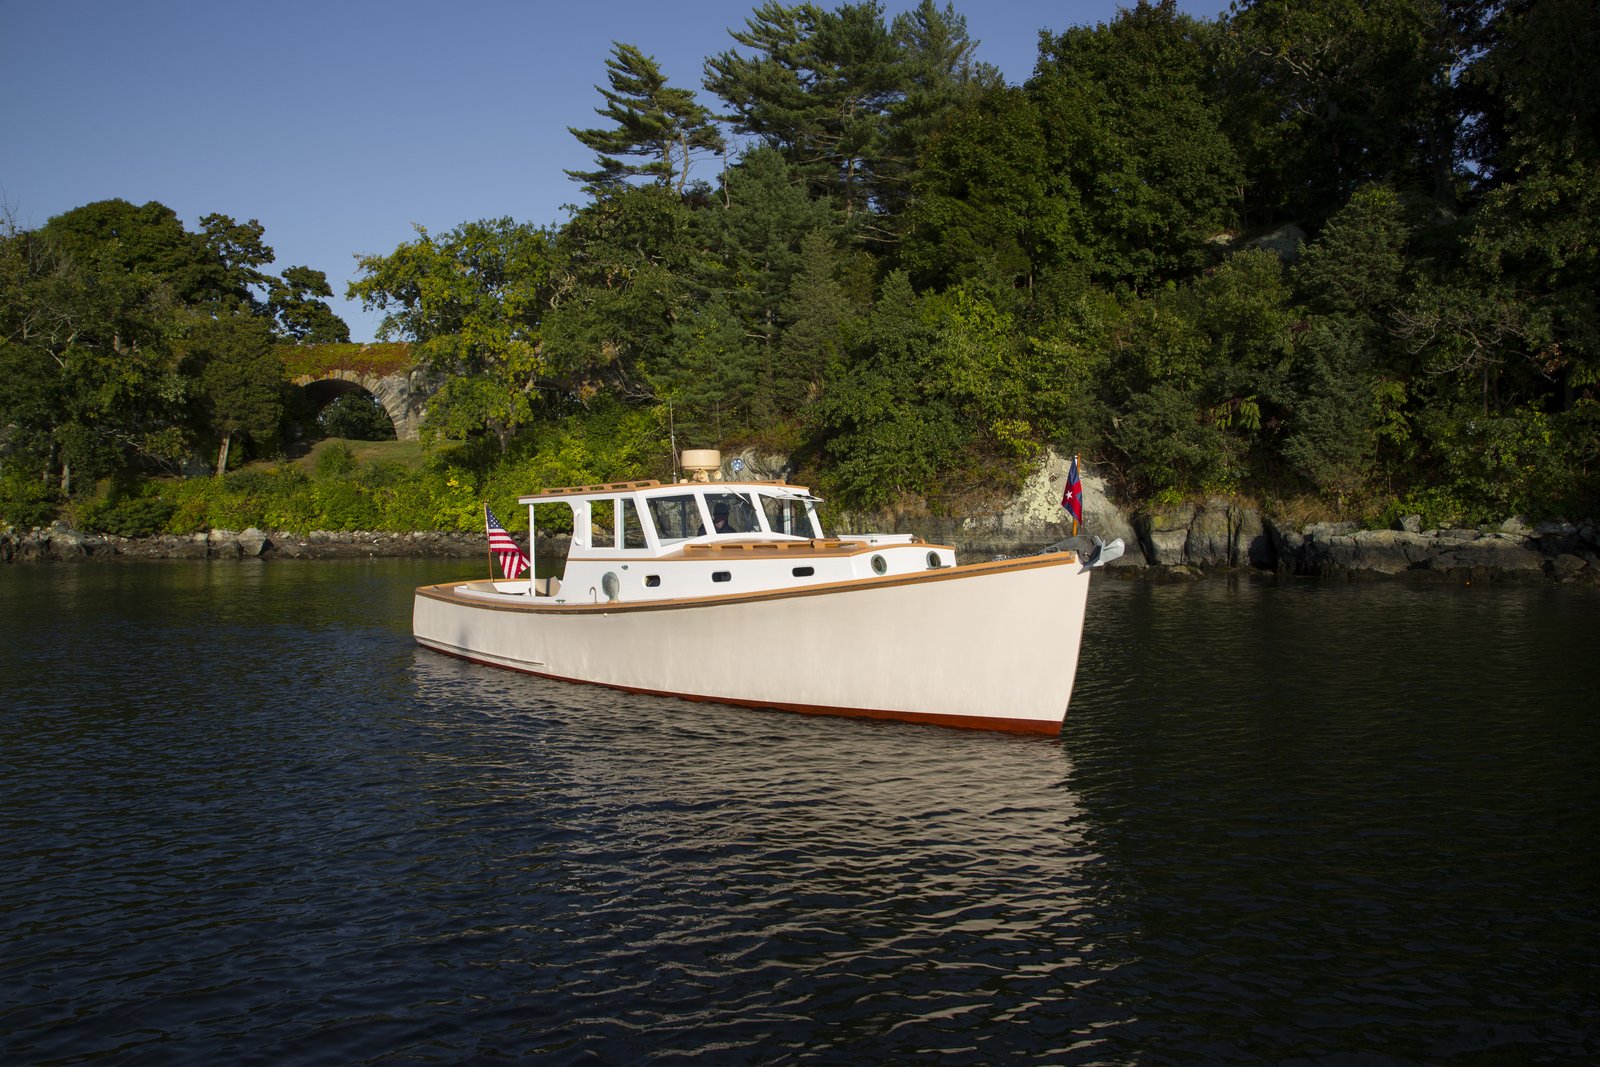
(746, 874)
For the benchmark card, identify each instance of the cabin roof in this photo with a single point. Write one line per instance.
(652, 487)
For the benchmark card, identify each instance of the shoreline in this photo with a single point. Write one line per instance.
(1158, 548)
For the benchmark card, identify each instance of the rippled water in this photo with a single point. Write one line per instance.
(244, 819)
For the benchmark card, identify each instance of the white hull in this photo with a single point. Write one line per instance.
(987, 645)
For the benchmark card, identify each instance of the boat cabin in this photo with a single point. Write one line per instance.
(645, 540)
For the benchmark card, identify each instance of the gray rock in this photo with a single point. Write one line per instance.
(253, 542)
(1253, 545)
(67, 544)
(1210, 539)
(1483, 556)
(1164, 534)
(1570, 568)
(759, 466)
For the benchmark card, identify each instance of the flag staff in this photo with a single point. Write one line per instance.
(488, 547)
(1080, 499)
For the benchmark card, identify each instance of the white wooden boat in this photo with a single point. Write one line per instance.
(662, 594)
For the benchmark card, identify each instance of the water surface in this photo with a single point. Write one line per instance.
(244, 818)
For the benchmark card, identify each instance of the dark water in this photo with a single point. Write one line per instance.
(244, 819)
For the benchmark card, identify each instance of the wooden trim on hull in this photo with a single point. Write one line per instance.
(960, 722)
(541, 605)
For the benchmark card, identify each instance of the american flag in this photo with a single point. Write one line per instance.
(504, 549)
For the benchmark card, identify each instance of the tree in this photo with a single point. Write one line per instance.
(1533, 243)
(815, 313)
(654, 120)
(750, 252)
(241, 378)
(886, 429)
(846, 99)
(622, 272)
(300, 316)
(103, 293)
(715, 378)
(1353, 280)
(1325, 96)
(985, 202)
(1200, 378)
(1137, 144)
(473, 301)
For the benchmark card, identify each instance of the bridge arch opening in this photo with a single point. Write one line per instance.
(341, 408)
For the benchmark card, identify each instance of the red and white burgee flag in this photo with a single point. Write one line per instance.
(1072, 495)
(503, 548)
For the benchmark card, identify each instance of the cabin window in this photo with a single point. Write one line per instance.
(933, 561)
(731, 513)
(652, 580)
(786, 515)
(880, 565)
(804, 572)
(676, 517)
(721, 576)
(632, 529)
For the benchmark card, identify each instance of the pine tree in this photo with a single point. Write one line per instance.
(653, 120)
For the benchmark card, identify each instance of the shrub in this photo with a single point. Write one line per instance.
(335, 458)
(27, 501)
(128, 516)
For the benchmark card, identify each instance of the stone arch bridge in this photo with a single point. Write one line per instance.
(384, 372)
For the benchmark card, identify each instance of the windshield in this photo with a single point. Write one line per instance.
(731, 514)
(789, 515)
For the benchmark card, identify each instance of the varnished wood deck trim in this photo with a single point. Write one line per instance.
(447, 591)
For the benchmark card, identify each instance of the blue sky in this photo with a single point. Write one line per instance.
(340, 123)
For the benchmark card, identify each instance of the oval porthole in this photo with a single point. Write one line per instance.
(610, 584)
(933, 561)
(652, 580)
(804, 572)
(880, 565)
(721, 576)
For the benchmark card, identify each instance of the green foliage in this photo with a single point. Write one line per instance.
(300, 315)
(652, 119)
(985, 202)
(1526, 463)
(316, 360)
(914, 278)
(471, 300)
(356, 416)
(1323, 97)
(26, 501)
(845, 98)
(335, 459)
(142, 515)
(1137, 144)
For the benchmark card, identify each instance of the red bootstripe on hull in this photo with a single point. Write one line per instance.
(963, 722)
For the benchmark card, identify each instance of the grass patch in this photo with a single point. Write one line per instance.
(407, 454)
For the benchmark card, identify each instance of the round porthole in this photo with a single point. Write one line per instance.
(933, 561)
(610, 584)
(880, 565)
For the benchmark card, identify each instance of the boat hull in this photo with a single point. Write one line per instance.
(987, 646)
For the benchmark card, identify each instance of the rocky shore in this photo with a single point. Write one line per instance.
(59, 543)
(1190, 540)
(1177, 542)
